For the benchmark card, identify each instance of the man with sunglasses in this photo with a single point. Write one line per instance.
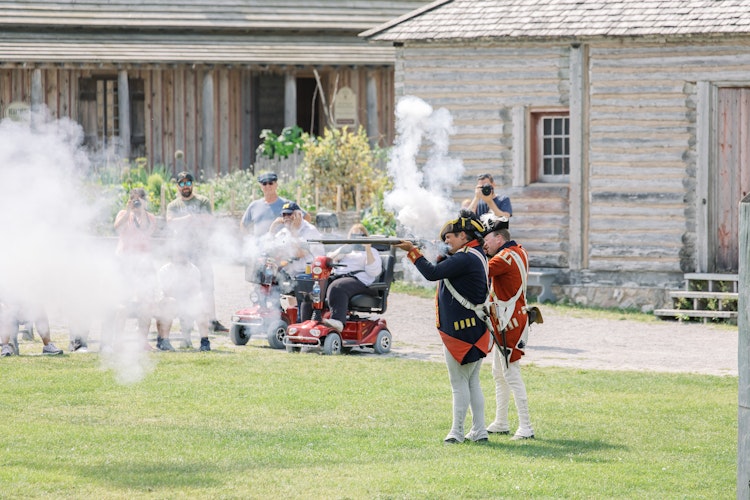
(261, 213)
(190, 216)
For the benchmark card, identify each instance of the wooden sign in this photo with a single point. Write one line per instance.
(345, 108)
(18, 111)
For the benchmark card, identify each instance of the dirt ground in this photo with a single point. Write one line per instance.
(575, 340)
(570, 340)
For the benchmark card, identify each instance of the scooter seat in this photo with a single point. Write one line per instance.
(363, 301)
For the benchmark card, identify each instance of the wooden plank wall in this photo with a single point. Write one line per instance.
(642, 173)
(173, 108)
(480, 85)
(642, 149)
(60, 89)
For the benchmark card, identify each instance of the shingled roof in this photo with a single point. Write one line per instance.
(248, 32)
(202, 15)
(462, 19)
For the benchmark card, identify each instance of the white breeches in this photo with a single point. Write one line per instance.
(467, 392)
(509, 380)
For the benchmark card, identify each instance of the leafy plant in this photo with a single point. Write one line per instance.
(377, 219)
(342, 158)
(288, 142)
(230, 193)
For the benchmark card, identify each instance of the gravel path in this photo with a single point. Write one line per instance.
(570, 340)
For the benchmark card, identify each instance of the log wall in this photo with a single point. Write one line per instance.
(173, 108)
(643, 198)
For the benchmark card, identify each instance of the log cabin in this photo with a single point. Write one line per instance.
(619, 129)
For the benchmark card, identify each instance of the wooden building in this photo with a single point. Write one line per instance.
(149, 79)
(620, 129)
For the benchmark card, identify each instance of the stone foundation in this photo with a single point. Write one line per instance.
(644, 299)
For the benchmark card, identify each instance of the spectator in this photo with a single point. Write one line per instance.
(180, 296)
(508, 268)
(260, 214)
(358, 267)
(135, 226)
(466, 340)
(293, 232)
(12, 315)
(190, 216)
(486, 200)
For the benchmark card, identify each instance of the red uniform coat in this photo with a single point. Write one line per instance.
(506, 278)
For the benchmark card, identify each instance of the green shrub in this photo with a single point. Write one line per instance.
(341, 157)
(377, 219)
(231, 193)
(288, 142)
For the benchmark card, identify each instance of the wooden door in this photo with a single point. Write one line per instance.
(730, 180)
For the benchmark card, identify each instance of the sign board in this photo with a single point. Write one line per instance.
(345, 108)
(18, 111)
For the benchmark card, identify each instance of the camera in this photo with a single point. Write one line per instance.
(487, 189)
(136, 203)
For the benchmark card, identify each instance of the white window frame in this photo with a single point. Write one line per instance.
(559, 153)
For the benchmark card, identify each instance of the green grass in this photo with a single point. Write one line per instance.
(251, 422)
(426, 292)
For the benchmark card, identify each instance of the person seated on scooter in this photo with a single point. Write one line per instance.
(293, 231)
(358, 266)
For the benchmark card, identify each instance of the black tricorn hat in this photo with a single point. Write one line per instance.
(492, 223)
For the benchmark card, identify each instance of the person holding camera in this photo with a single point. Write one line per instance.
(486, 200)
(135, 226)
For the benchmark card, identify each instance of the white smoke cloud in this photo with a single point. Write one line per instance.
(421, 197)
(48, 256)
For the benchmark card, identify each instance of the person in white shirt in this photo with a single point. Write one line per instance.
(291, 233)
(358, 267)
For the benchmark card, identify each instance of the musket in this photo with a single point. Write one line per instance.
(495, 327)
(372, 240)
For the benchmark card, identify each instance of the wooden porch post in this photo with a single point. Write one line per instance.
(578, 229)
(743, 357)
(290, 100)
(123, 101)
(37, 97)
(372, 109)
(207, 149)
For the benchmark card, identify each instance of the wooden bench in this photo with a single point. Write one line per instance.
(543, 277)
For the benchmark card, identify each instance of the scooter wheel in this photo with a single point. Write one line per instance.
(276, 334)
(239, 335)
(332, 344)
(383, 342)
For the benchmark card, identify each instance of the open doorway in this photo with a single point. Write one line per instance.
(308, 107)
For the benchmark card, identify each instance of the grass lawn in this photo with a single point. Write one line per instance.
(251, 422)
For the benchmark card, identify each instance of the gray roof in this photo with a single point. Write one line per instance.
(105, 48)
(203, 15)
(470, 19)
(246, 32)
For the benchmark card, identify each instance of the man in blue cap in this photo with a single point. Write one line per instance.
(261, 213)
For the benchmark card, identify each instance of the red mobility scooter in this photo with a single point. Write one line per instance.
(367, 331)
(271, 309)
